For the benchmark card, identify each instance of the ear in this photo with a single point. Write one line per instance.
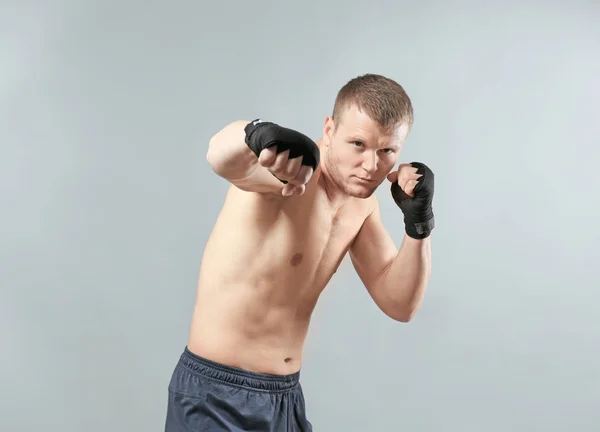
(328, 129)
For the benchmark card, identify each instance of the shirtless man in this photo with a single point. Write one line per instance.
(295, 208)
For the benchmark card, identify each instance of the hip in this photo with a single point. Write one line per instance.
(207, 395)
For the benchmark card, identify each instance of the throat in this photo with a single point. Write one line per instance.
(333, 194)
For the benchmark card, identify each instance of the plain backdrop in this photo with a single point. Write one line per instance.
(106, 109)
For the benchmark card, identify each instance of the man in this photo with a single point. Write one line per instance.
(295, 208)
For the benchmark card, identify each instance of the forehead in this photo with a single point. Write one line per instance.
(355, 123)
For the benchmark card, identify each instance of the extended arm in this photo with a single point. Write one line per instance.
(231, 158)
(263, 157)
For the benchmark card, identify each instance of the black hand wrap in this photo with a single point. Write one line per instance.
(261, 135)
(418, 211)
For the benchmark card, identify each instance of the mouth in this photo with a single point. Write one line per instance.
(364, 180)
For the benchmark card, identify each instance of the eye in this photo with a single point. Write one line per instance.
(357, 143)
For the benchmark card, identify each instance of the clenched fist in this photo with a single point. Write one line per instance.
(288, 170)
(289, 155)
(412, 190)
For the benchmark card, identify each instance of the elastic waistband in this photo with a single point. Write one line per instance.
(233, 375)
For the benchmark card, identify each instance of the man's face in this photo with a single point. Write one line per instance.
(359, 153)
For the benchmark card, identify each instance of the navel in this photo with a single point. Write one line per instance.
(297, 259)
(287, 360)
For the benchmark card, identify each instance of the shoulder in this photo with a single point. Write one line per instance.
(365, 210)
(371, 206)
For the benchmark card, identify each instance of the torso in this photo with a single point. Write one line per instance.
(265, 264)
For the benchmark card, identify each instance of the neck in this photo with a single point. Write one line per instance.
(334, 194)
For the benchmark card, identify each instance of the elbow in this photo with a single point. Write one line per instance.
(210, 152)
(403, 318)
(228, 155)
(398, 309)
(213, 156)
(403, 314)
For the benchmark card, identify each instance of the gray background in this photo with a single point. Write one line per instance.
(106, 109)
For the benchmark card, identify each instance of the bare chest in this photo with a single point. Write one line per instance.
(314, 244)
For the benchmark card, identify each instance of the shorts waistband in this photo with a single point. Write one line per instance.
(233, 375)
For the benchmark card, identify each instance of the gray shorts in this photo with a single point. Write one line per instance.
(208, 396)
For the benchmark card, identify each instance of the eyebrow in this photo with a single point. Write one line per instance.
(354, 138)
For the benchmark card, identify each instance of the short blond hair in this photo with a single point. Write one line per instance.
(381, 98)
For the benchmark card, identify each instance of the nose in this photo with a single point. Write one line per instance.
(370, 161)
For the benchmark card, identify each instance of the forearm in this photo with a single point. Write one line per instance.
(228, 155)
(403, 283)
(263, 157)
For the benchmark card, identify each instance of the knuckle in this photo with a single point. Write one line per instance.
(280, 162)
(301, 174)
(284, 155)
(308, 176)
(278, 172)
(305, 177)
(292, 167)
(266, 157)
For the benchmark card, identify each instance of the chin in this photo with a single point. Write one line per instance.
(360, 192)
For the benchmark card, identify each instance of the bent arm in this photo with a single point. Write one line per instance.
(395, 279)
(230, 157)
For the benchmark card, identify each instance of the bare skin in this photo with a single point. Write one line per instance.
(275, 247)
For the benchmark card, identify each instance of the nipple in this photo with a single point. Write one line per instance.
(297, 259)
